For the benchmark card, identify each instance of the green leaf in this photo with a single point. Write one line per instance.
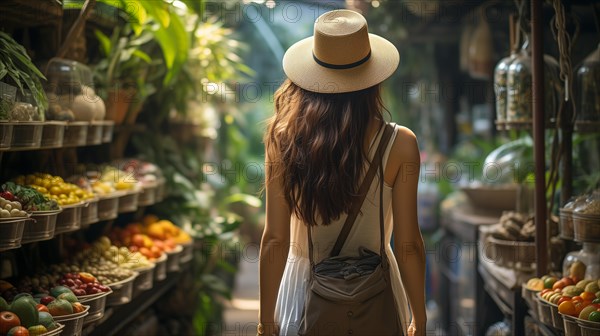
(158, 10)
(244, 198)
(105, 42)
(142, 55)
(175, 44)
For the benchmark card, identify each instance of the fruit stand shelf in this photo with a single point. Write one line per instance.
(509, 300)
(118, 317)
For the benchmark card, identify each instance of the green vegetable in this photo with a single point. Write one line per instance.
(30, 199)
(16, 64)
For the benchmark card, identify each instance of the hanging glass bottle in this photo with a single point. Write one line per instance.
(519, 87)
(588, 82)
(500, 86)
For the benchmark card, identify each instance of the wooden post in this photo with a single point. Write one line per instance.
(539, 124)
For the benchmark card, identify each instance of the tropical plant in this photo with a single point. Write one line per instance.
(123, 59)
(16, 64)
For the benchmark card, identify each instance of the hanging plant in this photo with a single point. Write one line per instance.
(17, 67)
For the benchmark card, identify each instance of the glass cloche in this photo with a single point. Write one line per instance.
(588, 84)
(519, 87)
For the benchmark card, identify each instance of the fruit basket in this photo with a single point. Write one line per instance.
(128, 202)
(144, 280)
(53, 134)
(571, 327)
(589, 328)
(108, 206)
(73, 322)
(41, 227)
(95, 133)
(148, 194)
(97, 303)
(70, 218)
(89, 213)
(557, 320)
(6, 131)
(76, 134)
(27, 134)
(122, 291)
(108, 127)
(529, 297)
(173, 259)
(586, 227)
(11, 232)
(544, 310)
(512, 254)
(188, 252)
(56, 331)
(160, 272)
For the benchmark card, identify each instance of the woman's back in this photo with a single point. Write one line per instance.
(364, 234)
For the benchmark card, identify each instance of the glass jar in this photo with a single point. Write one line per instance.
(500, 87)
(588, 84)
(70, 91)
(591, 206)
(589, 258)
(519, 87)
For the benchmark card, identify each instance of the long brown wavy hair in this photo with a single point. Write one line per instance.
(315, 144)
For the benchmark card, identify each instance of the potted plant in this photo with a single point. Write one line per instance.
(17, 69)
(120, 75)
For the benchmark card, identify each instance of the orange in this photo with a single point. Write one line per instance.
(587, 296)
(567, 308)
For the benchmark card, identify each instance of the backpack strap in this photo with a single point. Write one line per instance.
(362, 194)
(364, 188)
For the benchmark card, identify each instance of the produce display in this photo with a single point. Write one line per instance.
(145, 172)
(109, 266)
(10, 208)
(119, 179)
(24, 316)
(151, 238)
(29, 198)
(517, 227)
(36, 313)
(55, 188)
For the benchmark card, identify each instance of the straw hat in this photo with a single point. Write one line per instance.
(341, 56)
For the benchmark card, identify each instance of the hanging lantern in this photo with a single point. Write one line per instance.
(481, 51)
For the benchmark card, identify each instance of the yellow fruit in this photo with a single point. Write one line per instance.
(535, 284)
(577, 270)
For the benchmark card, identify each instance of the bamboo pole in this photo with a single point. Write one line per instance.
(539, 124)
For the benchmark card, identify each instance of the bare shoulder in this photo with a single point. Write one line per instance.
(406, 147)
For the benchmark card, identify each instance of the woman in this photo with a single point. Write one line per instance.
(327, 123)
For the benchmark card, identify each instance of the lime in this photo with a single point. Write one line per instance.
(549, 282)
(594, 316)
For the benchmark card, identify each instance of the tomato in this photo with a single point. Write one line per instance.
(8, 321)
(560, 284)
(588, 296)
(18, 331)
(87, 277)
(577, 298)
(567, 308)
(41, 307)
(563, 299)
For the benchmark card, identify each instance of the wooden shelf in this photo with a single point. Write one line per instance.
(116, 318)
(28, 13)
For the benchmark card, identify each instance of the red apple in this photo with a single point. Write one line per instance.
(8, 321)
